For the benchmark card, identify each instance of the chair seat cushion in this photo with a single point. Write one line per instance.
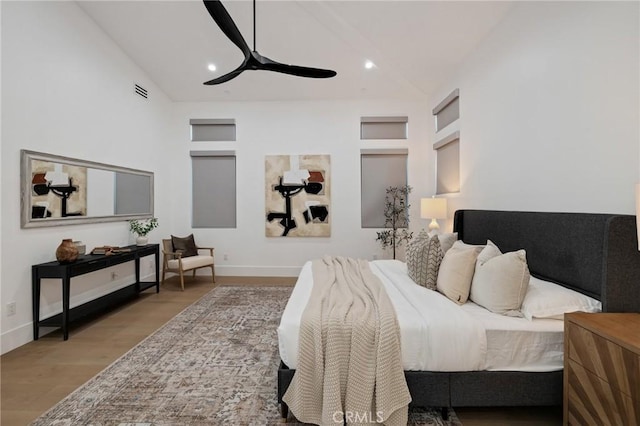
(191, 262)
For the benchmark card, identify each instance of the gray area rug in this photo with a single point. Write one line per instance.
(215, 363)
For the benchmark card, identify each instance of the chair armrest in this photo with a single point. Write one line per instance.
(176, 255)
(207, 248)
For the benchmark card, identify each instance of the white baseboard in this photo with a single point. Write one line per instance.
(258, 271)
(16, 337)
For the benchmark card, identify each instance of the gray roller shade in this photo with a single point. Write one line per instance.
(448, 110)
(379, 170)
(214, 189)
(383, 127)
(213, 129)
(448, 164)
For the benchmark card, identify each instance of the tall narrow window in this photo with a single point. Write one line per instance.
(380, 169)
(214, 189)
(448, 110)
(448, 164)
(383, 127)
(213, 129)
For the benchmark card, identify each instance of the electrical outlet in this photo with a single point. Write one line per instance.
(226, 256)
(114, 276)
(11, 308)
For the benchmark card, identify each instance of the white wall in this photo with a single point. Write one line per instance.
(67, 89)
(271, 128)
(549, 110)
(549, 121)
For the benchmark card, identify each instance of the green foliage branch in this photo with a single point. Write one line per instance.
(143, 227)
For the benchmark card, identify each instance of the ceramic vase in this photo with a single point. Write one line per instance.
(142, 240)
(67, 251)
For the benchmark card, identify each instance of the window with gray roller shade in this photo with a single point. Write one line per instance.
(214, 189)
(379, 170)
(383, 127)
(447, 111)
(448, 164)
(133, 193)
(213, 129)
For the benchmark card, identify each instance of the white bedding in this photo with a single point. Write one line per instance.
(437, 334)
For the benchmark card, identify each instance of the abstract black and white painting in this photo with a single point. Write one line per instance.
(298, 194)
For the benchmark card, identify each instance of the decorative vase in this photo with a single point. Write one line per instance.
(142, 240)
(67, 252)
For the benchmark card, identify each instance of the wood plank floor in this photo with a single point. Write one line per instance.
(36, 376)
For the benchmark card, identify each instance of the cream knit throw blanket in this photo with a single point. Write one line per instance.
(349, 361)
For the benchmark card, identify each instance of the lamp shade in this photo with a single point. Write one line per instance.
(433, 208)
(638, 212)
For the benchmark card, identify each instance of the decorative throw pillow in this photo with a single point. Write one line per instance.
(423, 260)
(501, 280)
(447, 240)
(185, 245)
(456, 271)
(545, 299)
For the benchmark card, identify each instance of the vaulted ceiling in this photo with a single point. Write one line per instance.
(415, 45)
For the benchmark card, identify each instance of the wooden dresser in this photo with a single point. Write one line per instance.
(602, 369)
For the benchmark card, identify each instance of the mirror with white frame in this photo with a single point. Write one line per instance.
(57, 190)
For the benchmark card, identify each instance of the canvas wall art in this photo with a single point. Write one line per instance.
(298, 194)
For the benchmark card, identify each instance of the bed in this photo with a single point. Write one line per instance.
(593, 254)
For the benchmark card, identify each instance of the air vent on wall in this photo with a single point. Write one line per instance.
(141, 91)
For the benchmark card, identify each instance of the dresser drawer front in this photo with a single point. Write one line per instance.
(592, 401)
(610, 362)
(89, 266)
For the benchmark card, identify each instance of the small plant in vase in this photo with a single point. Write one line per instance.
(396, 215)
(142, 228)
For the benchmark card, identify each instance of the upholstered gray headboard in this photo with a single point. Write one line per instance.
(595, 254)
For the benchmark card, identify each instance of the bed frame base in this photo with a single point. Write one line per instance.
(466, 389)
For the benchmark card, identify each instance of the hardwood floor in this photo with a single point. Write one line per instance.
(36, 376)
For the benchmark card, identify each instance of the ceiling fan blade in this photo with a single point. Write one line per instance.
(226, 24)
(270, 65)
(252, 59)
(224, 78)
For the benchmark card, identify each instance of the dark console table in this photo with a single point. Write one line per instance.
(85, 264)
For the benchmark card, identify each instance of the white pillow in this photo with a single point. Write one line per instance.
(456, 271)
(500, 281)
(545, 299)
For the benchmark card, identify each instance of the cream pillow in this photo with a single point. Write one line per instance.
(456, 271)
(500, 281)
(447, 240)
(423, 260)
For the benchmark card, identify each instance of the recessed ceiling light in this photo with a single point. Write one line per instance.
(368, 65)
(211, 67)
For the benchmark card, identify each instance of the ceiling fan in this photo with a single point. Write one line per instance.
(252, 59)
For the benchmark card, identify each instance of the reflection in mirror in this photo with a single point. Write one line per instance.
(59, 190)
(131, 194)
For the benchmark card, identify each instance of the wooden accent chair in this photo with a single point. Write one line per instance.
(176, 263)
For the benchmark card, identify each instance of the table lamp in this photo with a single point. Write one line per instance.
(433, 208)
